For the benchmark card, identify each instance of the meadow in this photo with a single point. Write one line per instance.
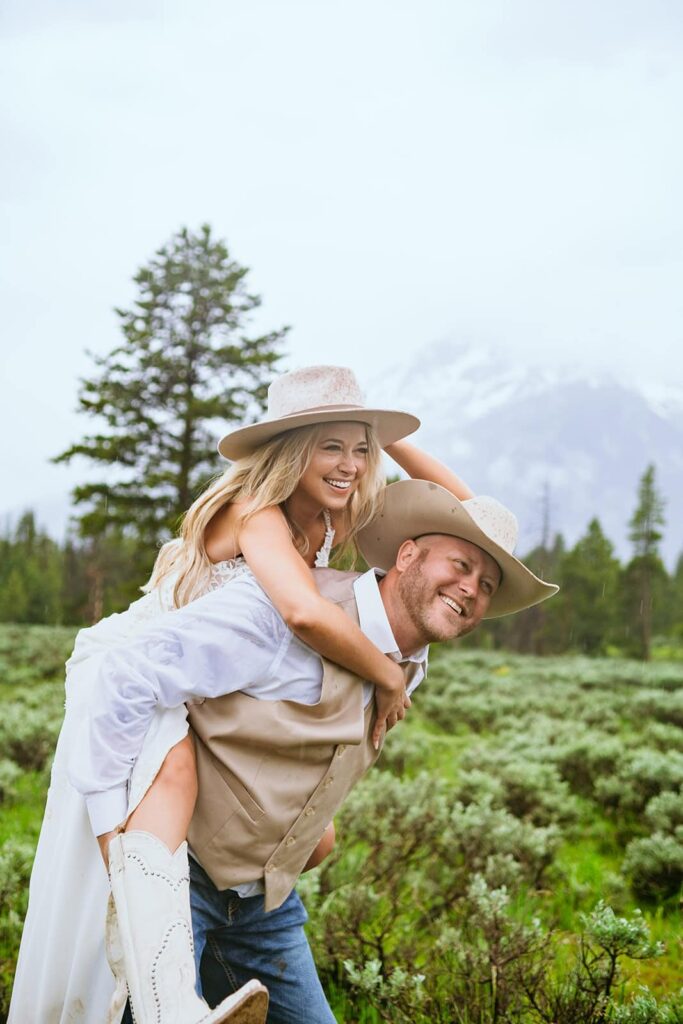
(516, 857)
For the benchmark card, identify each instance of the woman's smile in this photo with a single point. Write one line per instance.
(339, 485)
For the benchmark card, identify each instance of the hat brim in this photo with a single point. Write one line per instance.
(388, 425)
(413, 508)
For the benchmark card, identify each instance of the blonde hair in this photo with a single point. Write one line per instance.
(266, 477)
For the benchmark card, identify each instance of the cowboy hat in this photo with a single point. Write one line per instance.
(413, 508)
(316, 394)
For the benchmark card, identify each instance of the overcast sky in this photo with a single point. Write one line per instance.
(394, 174)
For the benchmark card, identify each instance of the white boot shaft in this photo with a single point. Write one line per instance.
(151, 889)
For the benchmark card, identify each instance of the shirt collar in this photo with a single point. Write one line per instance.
(373, 618)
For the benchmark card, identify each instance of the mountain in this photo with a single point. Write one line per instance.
(520, 433)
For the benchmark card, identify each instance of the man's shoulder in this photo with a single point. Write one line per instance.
(335, 585)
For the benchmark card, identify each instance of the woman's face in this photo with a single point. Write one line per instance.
(339, 462)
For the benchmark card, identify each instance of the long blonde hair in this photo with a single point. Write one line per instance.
(266, 477)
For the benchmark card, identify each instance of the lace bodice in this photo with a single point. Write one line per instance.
(223, 572)
(322, 558)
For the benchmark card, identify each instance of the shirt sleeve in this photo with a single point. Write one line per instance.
(230, 639)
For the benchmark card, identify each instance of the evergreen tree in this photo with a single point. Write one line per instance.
(185, 360)
(75, 589)
(13, 597)
(644, 578)
(535, 630)
(676, 601)
(30, 575)
(588, 600)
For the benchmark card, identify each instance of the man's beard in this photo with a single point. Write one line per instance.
(418, 596)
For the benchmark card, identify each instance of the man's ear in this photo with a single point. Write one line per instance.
(406, 554)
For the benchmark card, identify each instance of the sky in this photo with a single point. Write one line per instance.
(394, 174)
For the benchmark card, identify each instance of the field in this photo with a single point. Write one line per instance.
(517, 858)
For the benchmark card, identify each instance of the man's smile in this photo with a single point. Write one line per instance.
(452, 604)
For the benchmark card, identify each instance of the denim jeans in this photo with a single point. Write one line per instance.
(235, 940)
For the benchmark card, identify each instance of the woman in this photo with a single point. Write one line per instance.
(305, 477)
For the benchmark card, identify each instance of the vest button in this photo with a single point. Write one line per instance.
(290, 841)
(309, 811)
(329, 782)
(340, 749)
(270, 867)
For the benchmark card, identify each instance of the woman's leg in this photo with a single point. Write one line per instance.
(167, 806)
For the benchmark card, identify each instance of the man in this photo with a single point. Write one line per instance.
(285, 736)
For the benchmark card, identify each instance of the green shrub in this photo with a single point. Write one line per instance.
(664, 813)
(662, 736)
(16, 858)
(10, 773)
(488, 967)
(640, 776)
(645, 1009)
(655, 865)
(529, 790)
(30, 654)
(28, 734)
(661, 705)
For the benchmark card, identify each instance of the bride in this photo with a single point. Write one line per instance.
(305, 479)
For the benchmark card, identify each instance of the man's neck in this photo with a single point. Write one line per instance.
(407, 636)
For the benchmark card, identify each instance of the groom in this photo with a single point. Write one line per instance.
(286, 734)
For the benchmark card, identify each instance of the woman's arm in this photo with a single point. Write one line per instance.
(266, 543)
(421, 466)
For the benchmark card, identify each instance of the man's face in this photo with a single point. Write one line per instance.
(446, 585)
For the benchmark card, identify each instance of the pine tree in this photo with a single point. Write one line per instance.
(676, 602)
(30, 575)
(185, 361)
(536, 630)
(645, 576)
(588, 600)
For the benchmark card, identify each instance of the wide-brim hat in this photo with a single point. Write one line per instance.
(413, 508)
(316, 394)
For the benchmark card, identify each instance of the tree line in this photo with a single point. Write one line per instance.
(188, 365)
(604, 606)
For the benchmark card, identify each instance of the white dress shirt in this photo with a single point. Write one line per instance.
(230, 639)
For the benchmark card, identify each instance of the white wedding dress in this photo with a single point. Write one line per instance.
(63, 976)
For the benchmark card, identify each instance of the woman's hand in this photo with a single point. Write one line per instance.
(391, 702)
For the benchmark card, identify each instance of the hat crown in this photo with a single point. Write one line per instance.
(493, 519)
(314, 387)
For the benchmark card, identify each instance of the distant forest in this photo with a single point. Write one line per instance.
(604, 606)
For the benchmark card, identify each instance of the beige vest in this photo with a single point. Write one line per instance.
(272, 773)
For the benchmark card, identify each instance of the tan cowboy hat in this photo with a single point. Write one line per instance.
(316, 394)
(413, 508)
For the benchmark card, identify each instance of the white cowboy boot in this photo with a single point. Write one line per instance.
(151, 890)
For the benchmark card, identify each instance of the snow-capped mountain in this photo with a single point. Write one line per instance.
(519, 433)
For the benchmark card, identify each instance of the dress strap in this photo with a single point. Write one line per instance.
(322, 559)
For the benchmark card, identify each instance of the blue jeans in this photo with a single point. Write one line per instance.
(235, 940)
